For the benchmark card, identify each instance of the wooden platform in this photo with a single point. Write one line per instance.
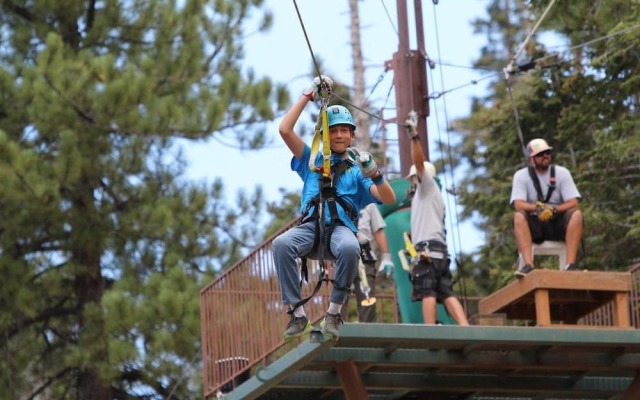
(561, 298)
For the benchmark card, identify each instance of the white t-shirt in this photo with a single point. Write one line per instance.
(523, 188)
(369, 222)
(427, 213)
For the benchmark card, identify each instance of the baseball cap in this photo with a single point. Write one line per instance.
(537, 146)
(427, 165)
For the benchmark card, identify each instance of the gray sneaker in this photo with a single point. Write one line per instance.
(330, 324)
(522, 271)
(297, 327)
(572, 267)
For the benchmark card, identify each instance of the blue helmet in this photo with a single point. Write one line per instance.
(340, 115)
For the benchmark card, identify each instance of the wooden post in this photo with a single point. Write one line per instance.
(351, 381)
(621, 310)
(543, 315)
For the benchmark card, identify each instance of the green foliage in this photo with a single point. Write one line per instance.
(283, 211)
(103, 244)
(584, 102)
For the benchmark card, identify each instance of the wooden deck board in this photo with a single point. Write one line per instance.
(548, 295)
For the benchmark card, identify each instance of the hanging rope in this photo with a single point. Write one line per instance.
(510, 69)
(530, 35)
(454, 221)
(306, 37)
(516, 114)
(322, 123)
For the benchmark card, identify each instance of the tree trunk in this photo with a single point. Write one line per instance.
(89, 289)
(363, 140)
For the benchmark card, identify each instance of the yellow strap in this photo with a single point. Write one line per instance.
(409, 246)
(326, 147)
(315, 145)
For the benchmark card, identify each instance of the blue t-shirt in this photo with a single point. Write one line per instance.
(351, 187)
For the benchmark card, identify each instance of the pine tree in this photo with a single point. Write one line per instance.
(103, 242)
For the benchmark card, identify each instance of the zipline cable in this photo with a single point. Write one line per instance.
(530, 35)
(389, 17)
(592, 41)
(322, 118)
(454, 221)
(510, 68)
(437, 95)
(306, 37)
(183, 376)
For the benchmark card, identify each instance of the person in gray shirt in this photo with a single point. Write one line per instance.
(545, 200)
(430, 275)
(370, 229)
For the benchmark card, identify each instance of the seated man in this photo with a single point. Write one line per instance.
(545, 199)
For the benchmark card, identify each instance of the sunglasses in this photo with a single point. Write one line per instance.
(543, 153)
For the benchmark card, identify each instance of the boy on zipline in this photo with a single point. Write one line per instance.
(354, 182)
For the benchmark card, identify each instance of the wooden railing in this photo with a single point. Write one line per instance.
(604, 315)
(243, 317)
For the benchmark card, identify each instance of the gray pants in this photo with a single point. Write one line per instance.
(298, 242)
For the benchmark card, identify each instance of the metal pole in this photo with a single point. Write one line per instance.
(421, 90)
(401, 79)
(410, 81)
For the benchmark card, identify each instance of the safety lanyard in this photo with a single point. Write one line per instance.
(536, 183)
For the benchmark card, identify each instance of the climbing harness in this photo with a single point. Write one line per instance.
(315, 212)
(431, 245)
(366, 253)
(536, 183)
(366, 257)
(322, 125)
(315, 209)
(419, 251)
